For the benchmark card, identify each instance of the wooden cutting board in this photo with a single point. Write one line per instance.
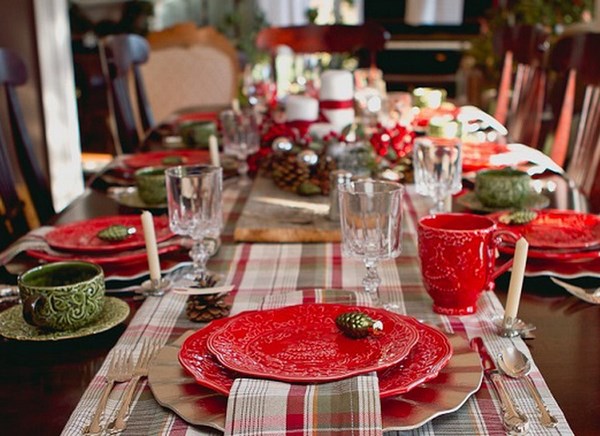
(273, 215)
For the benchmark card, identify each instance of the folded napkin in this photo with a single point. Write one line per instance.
(34, 240)
(350, 406)
(346, 407)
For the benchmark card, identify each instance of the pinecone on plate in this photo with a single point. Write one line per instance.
(358, 325)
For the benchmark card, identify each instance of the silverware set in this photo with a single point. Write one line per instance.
(514, 364)
(122, 369)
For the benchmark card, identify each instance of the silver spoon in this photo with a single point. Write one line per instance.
(591, 295)
(515, 364)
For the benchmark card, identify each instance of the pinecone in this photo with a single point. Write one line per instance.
(115, 232)
(518, 217)
(287, 172)
(358, 325)
(325, 166)
(204, 308)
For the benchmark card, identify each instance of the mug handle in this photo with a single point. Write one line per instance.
(31, 307)
(498, 237)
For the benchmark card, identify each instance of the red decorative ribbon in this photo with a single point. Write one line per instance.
(336, 104)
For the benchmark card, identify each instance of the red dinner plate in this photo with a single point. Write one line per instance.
(109, 259)
(303, 344)
(425, 360)
(162, 158)
(197, 116)
(556, 254)
(82, 236)
(558, 229)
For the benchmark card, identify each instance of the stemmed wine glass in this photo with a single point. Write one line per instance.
(241, 138)
(371, 222)
(194, 201)
(438, 166)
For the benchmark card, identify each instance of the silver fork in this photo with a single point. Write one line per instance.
(120, 369)
(140, 370)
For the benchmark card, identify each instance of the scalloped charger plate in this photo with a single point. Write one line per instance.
(174, 388)
(13, 326)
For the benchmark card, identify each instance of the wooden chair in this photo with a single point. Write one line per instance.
(576, 57)
(13, 73)
(189, 67)
(334, 38)
(122, 56)
(523, 76)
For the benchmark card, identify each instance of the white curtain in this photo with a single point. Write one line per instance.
(284, 12)
(432, 12)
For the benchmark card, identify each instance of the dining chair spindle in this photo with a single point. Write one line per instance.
(13, 73)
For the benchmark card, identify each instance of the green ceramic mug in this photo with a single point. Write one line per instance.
(151, 185)
(507, 187)
(62, 295)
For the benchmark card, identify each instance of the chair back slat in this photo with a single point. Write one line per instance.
(13, 73)
(523, 48)
(122, 56)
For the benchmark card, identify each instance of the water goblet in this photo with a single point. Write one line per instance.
(241, 138)
(371, 223)
(438, 166)
(194, 202)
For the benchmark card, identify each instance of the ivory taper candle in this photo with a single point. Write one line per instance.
(213, 148)
(235, 105)
(151, 247)
(516, 280)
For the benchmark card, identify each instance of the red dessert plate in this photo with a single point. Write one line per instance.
(425, 360)
(558, 229)
(108, 259)
(303, 344)
(82, 236)
(167, 158)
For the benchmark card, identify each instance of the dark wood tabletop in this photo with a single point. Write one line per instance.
(41, 383)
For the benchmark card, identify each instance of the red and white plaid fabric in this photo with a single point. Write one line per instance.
(264, 275)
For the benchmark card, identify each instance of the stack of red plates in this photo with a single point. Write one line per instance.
(557, 235)
(302, 344)
(79, 241)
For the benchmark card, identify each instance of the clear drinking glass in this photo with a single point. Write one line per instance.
(371, 222)
(241, 138)
(194, 201)
(437, 166)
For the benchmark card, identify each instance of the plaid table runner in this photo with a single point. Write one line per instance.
(262, 273)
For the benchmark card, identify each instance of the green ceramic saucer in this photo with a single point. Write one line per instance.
(13, 326)
(533, 201)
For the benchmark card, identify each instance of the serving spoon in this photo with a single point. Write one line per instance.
(515, 364)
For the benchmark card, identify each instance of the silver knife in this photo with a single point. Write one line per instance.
(513, 420)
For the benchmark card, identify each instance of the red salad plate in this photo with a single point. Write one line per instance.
(581, 255)
(82, 236)
(558, 229)
(476, 156)
(167, 158)
(425, 360)
(303, 344)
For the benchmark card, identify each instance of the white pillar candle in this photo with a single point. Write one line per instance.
(213, 148)
(301, 108)
(336, 85)
(151, 247)
(516, 280)
(339, 118)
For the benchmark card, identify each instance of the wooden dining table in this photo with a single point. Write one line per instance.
(43, 382)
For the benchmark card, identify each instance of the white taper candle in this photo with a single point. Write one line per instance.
(213, 148)
(235, 105)
(151, 247)
(516, 280)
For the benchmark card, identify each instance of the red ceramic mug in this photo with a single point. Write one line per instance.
(457, 252)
